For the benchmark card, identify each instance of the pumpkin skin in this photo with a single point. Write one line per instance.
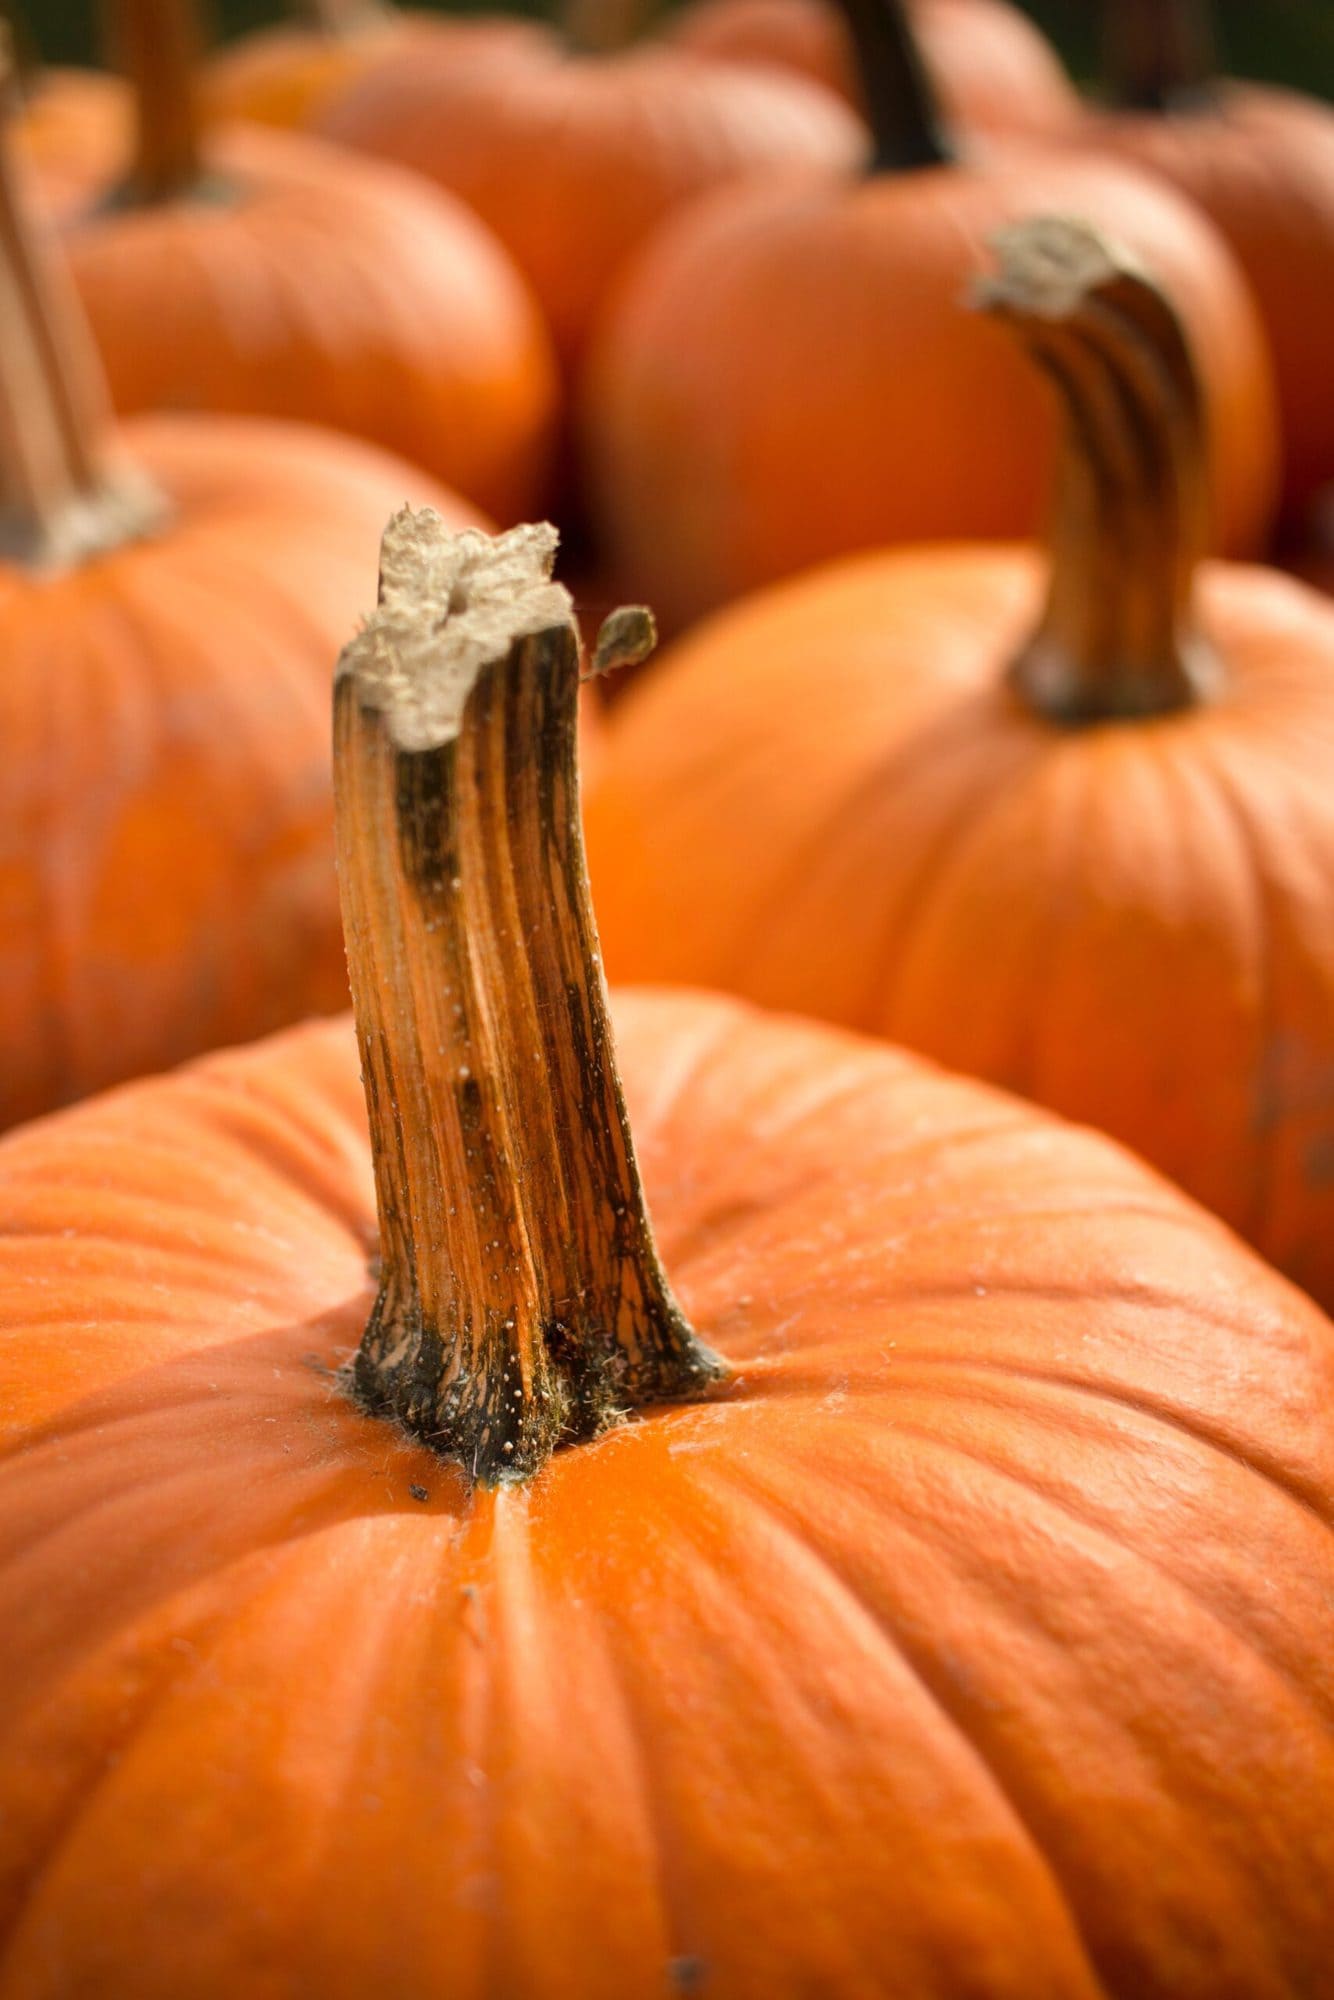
(991, 69)
(166, 877)
(711, 473)
(1260, 163)
(287, 74)
(323, 290)
(1137, 917)
(945, 1599)
(614, 144)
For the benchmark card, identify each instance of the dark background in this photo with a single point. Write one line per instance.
(1289, 41)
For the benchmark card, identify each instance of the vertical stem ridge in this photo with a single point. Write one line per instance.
(522, 1302)
(1117, 637)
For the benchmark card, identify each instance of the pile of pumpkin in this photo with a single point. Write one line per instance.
(490, 1508)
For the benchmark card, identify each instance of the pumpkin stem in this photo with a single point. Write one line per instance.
(522, 1304)
(906, 127)
(1117, 637)
(61, 499)
(601, 27)
(158, 46)
(1159, 55)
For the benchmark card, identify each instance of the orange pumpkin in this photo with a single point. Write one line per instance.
(789, 375)
(991, 68)
(1110, 886)
(165, 869)
(1260, 163)
(286, 74)
(574, 160)
(969, 1637)
(258, 273)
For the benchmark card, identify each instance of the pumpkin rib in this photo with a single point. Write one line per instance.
(807, 1555)
(1089, 1539)
(1264, 936)
(1140, 1404)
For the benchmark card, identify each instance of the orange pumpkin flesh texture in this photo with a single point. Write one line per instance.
(575, 161)
(788, 376)
(830, 798)
(291, 282)
(990, 67)
(971, 1638)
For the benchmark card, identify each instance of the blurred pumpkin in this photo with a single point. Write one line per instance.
(1260, 163)
(574, 159)
(1105, 879)
(790, 374)
(262, 274)
(287, 73)
(987, 1599)
(989, 65)
(166, 612)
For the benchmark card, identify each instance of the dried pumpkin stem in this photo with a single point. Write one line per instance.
(62, 499)
(1159, 54)
(1117, 637)
(158, 46)
(906, 127)
(522, 1303)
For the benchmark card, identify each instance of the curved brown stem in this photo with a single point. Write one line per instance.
(158, 46)
(1158, 54)
(522, 1303)
(60, 498)
(906, 127)
(1117, 637)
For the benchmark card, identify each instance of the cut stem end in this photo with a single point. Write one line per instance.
(522, 1302)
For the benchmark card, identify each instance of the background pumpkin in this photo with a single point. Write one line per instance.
(830, 798)
(938, 1606)
(989, 65)
(791, 374)
(286, 73)
(165, 863)
(575, 159)
(1260, 162)
(258, 273)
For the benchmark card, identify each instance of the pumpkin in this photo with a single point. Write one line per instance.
(285, 74)
(167, 604)
(791, 374)
(1260, 163)
(965, 1631)
(1105, 880)
(575, 159)
(990, 67)
(258, 273)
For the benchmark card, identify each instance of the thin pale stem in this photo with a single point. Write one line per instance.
(522, 1303)
(906, 127)
(1159, 54)
(1118, 636)
(60, 498)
